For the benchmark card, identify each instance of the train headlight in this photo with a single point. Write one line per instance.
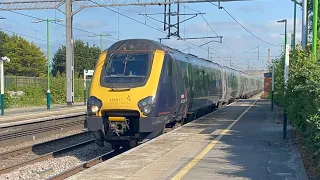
(147, 110)
(146, 105)
(93, 105)
(94, 109)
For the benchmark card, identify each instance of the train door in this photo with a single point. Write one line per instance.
(166, 95)
(238, 82)
(241, 86)
(180, 86)
(224, 85)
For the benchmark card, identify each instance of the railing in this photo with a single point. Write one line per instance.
(21, 81)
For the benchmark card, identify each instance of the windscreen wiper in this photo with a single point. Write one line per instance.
(126, 58)
(120, 89)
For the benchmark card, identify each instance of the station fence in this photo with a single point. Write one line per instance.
(22, 91)
(22, 81)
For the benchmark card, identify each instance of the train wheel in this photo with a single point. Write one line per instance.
(129, 144)
(115, 146)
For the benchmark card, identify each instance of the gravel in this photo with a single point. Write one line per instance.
(38, 150)
(310, 163)
(44, 139)
(58, 164)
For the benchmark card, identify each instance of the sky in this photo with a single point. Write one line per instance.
(238, 48)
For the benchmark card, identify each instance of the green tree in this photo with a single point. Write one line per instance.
(85, 57)
(26, 58)
(59, 61)
(302, 96)
(3, 37)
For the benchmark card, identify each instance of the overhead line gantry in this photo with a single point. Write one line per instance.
(13, 5)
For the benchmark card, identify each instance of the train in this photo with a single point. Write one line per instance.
(140, 87)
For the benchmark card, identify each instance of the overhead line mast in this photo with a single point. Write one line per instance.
(69, 13)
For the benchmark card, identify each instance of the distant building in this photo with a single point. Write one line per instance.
(267, 83)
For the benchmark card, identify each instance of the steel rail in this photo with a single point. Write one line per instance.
(69, 172)
(33, 131)
(39, 158)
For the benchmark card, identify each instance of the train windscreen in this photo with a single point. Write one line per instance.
(128, 64)
(127, 68)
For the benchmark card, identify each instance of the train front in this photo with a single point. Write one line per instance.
(120, 107)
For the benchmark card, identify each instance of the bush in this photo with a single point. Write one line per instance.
(79, 92)
(58, 89)
(7, 100)
(303, 95)
(35, 95)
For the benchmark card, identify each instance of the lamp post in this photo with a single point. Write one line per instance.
(272, 88)
(286, 71)
(101, 35)
(285, 33)
(48, 55)
(2, 60)
(294, 25)
(304, 24)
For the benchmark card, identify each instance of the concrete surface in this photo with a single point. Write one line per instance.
(23, 115)
(253, 148)
(12, 111)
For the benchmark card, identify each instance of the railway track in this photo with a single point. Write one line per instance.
(38, 131)
(22, 157)
(31, 154)
(74, 170)
(88, 164)
(69, 172)
(30, 131)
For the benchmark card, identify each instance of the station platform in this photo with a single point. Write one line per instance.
(240, 141)
(25, 114)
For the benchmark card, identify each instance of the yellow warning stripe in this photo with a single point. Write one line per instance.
(194, 161)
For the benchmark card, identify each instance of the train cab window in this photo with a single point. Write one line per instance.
(128, 68)
(126, 65)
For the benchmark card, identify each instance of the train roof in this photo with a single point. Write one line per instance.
(147, 44)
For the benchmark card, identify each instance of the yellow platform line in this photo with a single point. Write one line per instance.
(194, 161)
